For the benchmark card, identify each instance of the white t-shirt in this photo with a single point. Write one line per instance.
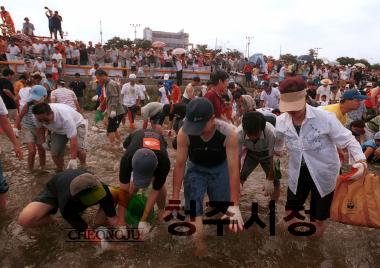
(64, 96)
(343, 75)
(76, 53)
(13, 50)
(325, 74)
(324, 91)
(203, 90)
(162, 93)
(41, 67)
(37, 48)
(142, 91)
(92, 73)
(271, 100)
(130, 94)
(24, 94)
(65, 122)
(3, 109)
(178, 65)
(58, 57)
(69, 52)
(151, 109)
(188, 90)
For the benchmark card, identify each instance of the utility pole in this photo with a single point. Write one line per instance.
(317, 52)
(101, 33)
(135, 26)
(249, 38)
(280, 51)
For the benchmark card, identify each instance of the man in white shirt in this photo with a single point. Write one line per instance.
(65, 96)
(312, 136)
(162, 94)
(7, 128)
(270, 96)
(65, 124)
(324, 89)
(38, 49)
(58, 56)
(39, 65)
(131, 99)
(13, 51)
(152, 112)
(142, 92)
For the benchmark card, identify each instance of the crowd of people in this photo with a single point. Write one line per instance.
(223, 132)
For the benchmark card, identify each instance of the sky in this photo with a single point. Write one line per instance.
(339, 27)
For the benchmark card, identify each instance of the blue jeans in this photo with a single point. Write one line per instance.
(3, 184)
(199, 179)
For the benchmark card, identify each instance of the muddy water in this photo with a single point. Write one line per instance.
(341, 246)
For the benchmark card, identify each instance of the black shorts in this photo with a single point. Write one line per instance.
(319, 206)
(157, 119)
(47, 197)
(114, 123)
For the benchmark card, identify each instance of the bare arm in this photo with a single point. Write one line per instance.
(21, 115)
(77, 105)
(179, 169)
(7, 127)
(149, 204)
(233, 167)
(9, 94)
(124, 198)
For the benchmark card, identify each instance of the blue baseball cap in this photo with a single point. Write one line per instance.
(353, 94)
(198, 112)
(37, 92)
(144, 163)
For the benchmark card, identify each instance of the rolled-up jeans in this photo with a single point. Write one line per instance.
(200, 179)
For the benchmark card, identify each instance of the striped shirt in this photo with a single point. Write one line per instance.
(65, 96)
(28, 120)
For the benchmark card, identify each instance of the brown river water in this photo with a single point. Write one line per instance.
(341, 245)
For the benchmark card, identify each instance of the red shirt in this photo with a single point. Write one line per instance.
(175, 93)
(216, 101)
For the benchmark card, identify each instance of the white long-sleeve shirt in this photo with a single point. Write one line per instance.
(320, 135)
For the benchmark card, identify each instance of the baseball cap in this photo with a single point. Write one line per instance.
(132, 77)
(369, 84)
(37, 92)
(353, 94)
(166, 76)
(87, 188)
(198, 112)
(377, 136)
(144, 163)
